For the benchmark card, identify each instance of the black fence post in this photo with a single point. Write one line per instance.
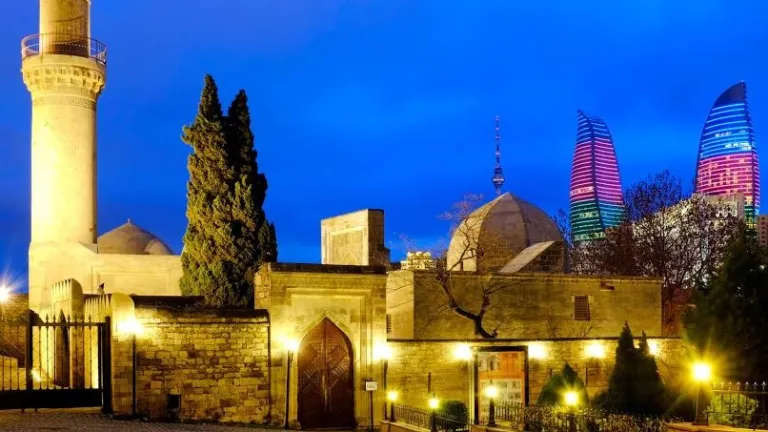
(105, 361)
(29, 354)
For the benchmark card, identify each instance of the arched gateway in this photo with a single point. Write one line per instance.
(326, 384)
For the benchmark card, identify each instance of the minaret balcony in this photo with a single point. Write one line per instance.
(64, 44)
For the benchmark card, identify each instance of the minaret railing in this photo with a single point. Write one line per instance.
(65, 44)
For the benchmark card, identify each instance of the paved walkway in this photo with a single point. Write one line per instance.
(85, 421)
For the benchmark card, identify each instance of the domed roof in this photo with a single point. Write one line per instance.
(495, 233)
(129, 239)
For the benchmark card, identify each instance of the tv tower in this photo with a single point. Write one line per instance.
(498, 174)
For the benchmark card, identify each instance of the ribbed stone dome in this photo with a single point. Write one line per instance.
(129, 239)
(496, 232)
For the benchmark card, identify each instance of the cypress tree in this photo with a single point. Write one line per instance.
(210, 255)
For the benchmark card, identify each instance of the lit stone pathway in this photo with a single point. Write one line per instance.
(58, 421)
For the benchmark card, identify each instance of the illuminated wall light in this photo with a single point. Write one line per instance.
(537, 351)
(653, 348)
(382, 352)
(462, 352)
(130, 326)
(595, 350)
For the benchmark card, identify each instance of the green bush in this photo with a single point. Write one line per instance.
(457, 412)
(567, 380)
(732, 410)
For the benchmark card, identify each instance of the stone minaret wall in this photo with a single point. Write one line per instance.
(64, 71)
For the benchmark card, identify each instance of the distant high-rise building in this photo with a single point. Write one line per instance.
(596, 197)
(727, 163)
(498, 173)
(762, 230)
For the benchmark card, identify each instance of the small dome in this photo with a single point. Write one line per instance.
(129, 239)
(496, 232)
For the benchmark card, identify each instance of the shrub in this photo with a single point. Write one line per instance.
(733, 409)
(567, 380)
(455, 411)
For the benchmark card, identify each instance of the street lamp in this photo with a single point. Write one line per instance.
(132, 327)
(434, 404)
(492, 392)
(384, 353)
(392, 397)
(291, 346)
(702, 373)
(5, 294)
(571, 401)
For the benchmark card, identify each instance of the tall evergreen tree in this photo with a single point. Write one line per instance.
(211, 251)
(259, 233)
(635, 385)
(729, 321)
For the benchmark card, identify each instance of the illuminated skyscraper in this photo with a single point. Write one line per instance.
(727, 163)
(596, 196)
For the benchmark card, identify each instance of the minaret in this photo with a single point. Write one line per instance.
(64, 70)
(498, 174)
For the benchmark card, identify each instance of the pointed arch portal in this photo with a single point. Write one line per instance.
(326, 385)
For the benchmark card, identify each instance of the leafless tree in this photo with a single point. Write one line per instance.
(666, 234)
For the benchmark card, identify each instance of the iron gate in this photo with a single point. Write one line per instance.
(56, 362)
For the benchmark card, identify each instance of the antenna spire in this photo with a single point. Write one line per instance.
(498, 174)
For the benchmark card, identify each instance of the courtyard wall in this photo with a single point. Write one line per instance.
(453, 379)
(216, 360)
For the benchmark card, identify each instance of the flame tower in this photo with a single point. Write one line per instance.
(498, 173)
(596, 196)
(727, 163)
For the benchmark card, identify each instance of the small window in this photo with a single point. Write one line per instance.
(581, 308)
(389, 323)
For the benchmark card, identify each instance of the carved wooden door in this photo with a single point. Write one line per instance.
(326, 387)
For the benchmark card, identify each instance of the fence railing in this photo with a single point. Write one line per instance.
(435, 421)
(559, 419)
(66, 44)
(739, 404)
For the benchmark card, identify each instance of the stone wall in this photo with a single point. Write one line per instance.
(217, 360)
(355, 238)
(453, 379)
(522, 306)
(13, 342)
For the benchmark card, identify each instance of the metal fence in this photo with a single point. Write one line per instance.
(739, 405)
(560, 419)
(432, 420)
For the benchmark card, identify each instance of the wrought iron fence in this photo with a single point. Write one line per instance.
(559, 419)
(739, 405)
(428, 419)
(61, 43)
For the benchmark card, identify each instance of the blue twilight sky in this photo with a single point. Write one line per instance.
(388, 103)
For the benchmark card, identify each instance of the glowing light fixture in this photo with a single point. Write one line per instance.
(492, 392)
(36, 375)
(392, 396)
(434, 403)
(595, 350)
(5, 293)
(653, 348)
(130, 327)
(382, 352)
(702, 372)
(571, 398)
(462, 352)
(537, 351)
(291, 345)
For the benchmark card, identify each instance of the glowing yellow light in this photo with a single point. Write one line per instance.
(571, 398)
(492, 391)
(291, 345)
(5, 293)
(537, 351)
(702, 372)
(36, 376)
(392, 395)
(596, 350)
(434, 403)
(462, 352)
(130, 327)
(382, 352)
(653, 348)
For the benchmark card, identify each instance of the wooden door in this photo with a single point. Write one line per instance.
(326, 386)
